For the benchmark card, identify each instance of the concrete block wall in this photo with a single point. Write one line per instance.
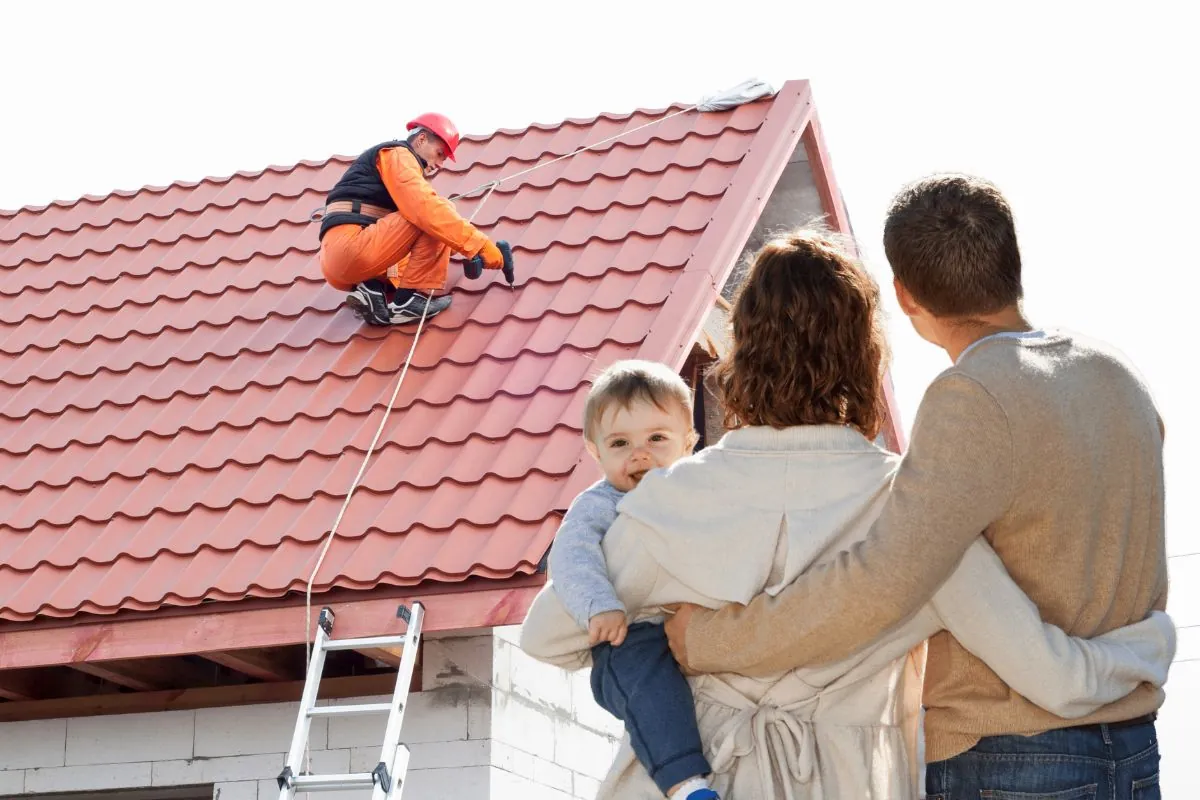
(548, 737)
(237, 749)
(491, 723)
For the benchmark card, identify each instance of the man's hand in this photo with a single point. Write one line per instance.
(608, 626)
(676, 627)
(491, 255)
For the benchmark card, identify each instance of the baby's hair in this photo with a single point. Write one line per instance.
(631, 380)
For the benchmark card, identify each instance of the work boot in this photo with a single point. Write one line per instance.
(368, 300)
(408, 305)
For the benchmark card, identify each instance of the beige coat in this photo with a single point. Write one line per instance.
(750, 514)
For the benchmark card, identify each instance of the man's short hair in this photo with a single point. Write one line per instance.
(417, 131)
(952, 244)
(631, 380)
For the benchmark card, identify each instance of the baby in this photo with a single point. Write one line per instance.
(637, 417)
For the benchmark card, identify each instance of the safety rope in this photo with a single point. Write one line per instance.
(491, 187)
(573, 153)
(366, 459)
(492, 184)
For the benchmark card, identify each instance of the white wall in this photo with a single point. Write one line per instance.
(491, 724)
(1178, 723)
(549, 738)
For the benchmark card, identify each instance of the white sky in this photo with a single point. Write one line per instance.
(1085, 117)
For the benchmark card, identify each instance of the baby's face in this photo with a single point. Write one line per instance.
(629, 442)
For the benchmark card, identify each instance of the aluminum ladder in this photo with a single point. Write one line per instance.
(386, 781)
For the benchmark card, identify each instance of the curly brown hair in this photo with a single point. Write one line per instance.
(808, 341)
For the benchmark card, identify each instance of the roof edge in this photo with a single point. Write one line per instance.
(839, 220)
(65, 204)
(191, 634)
(727, 232)
(682, 316)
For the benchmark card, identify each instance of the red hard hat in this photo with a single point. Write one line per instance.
(441, 126)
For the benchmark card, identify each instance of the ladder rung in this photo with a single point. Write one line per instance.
(333, 783)
(333, 711)
(368, 643)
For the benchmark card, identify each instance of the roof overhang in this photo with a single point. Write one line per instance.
(260, 624)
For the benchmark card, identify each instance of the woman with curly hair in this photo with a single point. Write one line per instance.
(797, 480)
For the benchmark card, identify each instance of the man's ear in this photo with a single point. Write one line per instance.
(907, 304)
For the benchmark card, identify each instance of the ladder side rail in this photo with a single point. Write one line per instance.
(387, 785)
(308, 699)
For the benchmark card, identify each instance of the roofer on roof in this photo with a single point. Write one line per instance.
(385, 230)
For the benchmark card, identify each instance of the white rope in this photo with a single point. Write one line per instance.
(494, 183)
(572, 154)
(387, 412)
(491, 187)
(362, 470)
(744, 92)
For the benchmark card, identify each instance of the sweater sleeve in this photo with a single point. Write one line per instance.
(989, 614)
(955, 480)
(577, 562)
(985, 610)
(418, 203)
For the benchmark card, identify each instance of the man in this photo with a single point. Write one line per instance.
(1048, 443)
(384, 220)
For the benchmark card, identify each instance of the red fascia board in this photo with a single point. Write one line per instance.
(190, 634)
(682, 316)
(839, 220)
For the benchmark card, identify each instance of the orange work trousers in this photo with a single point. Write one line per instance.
(351, 254)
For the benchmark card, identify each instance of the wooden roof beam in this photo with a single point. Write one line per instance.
(272, 667)
(20, 684)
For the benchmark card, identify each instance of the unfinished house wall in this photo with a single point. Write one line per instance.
(549, 737)
(794, 201)
(491, 723)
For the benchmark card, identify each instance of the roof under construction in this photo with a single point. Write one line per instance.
(186, 402)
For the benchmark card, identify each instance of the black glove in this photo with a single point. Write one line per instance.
(473, 267)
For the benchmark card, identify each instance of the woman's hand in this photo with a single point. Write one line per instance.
(608, 626)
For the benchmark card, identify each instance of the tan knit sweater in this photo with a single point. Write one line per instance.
(1051, 446)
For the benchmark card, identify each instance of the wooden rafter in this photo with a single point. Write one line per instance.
(277, 626)
(390, 656)
(19, 684)
(273, 667)
(147, 675)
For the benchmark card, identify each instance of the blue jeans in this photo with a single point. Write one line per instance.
(1105, 762)
(640, 684)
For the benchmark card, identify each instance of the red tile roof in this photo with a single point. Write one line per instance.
(185, 402)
